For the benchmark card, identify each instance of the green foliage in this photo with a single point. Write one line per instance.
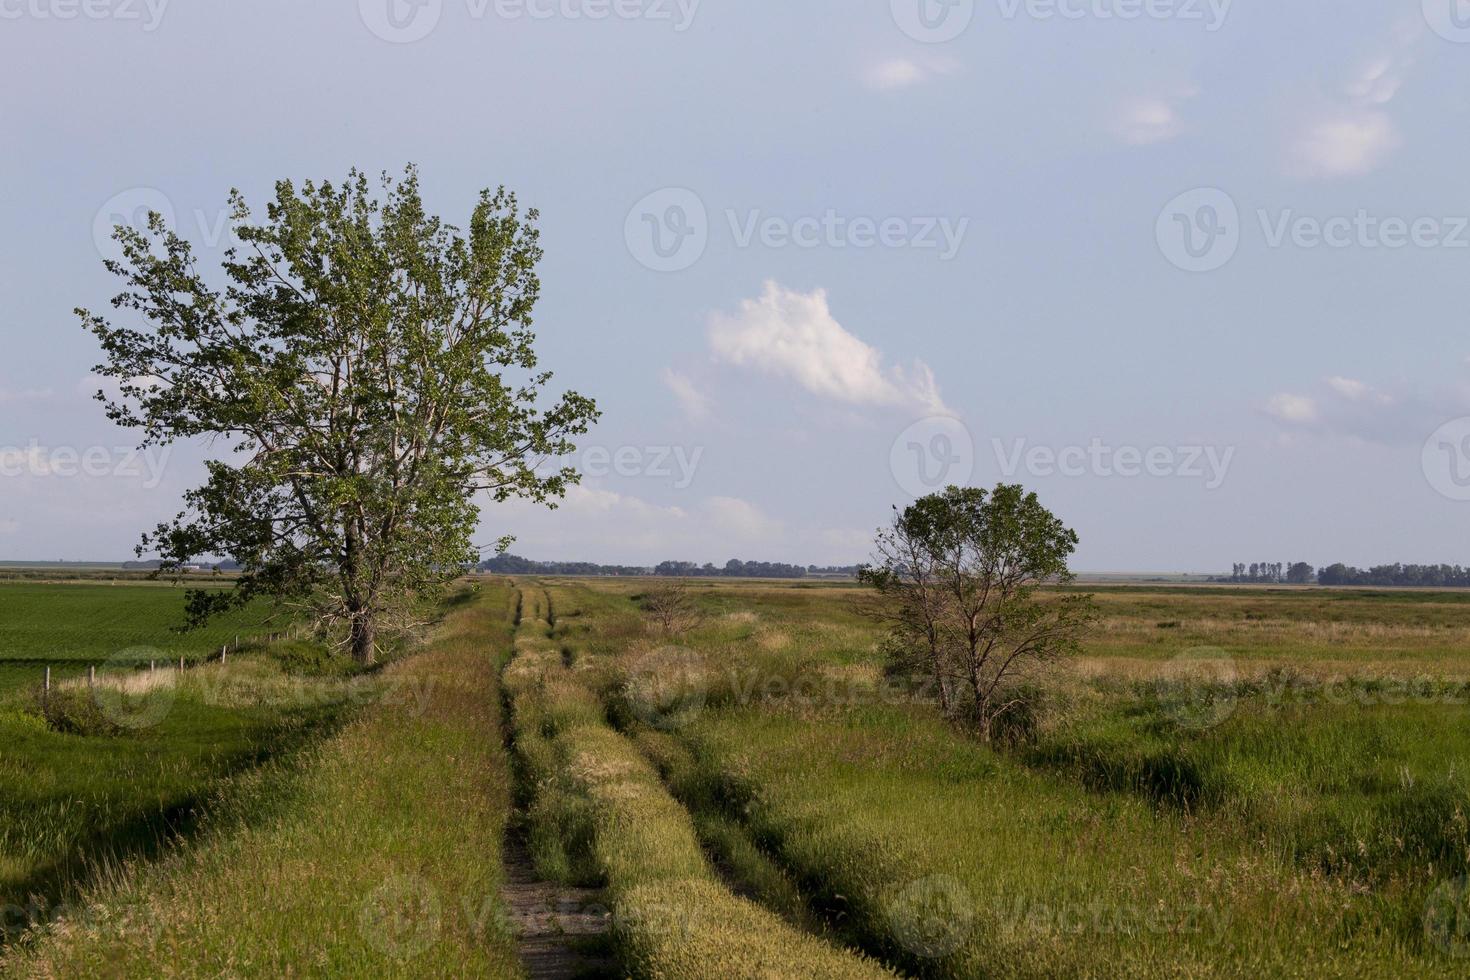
(959, 579)
(74, 711)
(371, 367)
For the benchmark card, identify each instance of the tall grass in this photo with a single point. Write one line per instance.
(1298, 837)
(375, 852)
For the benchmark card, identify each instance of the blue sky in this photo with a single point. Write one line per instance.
(1195, 272)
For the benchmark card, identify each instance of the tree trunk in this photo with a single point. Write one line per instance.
(364, 639)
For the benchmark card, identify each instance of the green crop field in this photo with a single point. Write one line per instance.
(69, 626)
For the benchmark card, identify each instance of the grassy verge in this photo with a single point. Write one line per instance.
(374, 852)
(601, 811)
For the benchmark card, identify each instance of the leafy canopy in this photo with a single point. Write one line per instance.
(372, 370)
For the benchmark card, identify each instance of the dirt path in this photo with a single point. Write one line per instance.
(560, 931)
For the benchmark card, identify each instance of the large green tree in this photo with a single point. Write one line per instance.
(372, 370)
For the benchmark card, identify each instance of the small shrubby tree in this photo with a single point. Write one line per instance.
(373, 370)
(958, 576)
(670, 607)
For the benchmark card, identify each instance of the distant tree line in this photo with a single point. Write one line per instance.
(507, 564)
(1294, 573)
(734, 568)
(1395, 574)
(515, 565)
(1301, 573)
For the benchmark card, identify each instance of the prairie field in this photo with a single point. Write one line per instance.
(1225, 782)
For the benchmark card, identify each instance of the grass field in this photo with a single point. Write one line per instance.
(72, 625)
(1302, 813)
(1226, 782)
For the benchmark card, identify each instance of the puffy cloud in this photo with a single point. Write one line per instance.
(897, 73)
(793, 335)
(1151, 119)
(1291, 408)
(1349, 145)
(1354, 134)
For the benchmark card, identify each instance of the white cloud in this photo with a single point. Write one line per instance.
(1354, 409)
(9, 525)
(897, 73)
(793, 335)
(1354, 134)
(695, 403)
(1150, 119)
(1292, 408)
(1349, 145)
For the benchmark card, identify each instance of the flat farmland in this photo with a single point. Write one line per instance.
(68, 626)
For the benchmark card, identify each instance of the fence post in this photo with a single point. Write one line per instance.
(181, 663)
(152, 666)
(91, 676)
(223, 651)
(48, 682)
